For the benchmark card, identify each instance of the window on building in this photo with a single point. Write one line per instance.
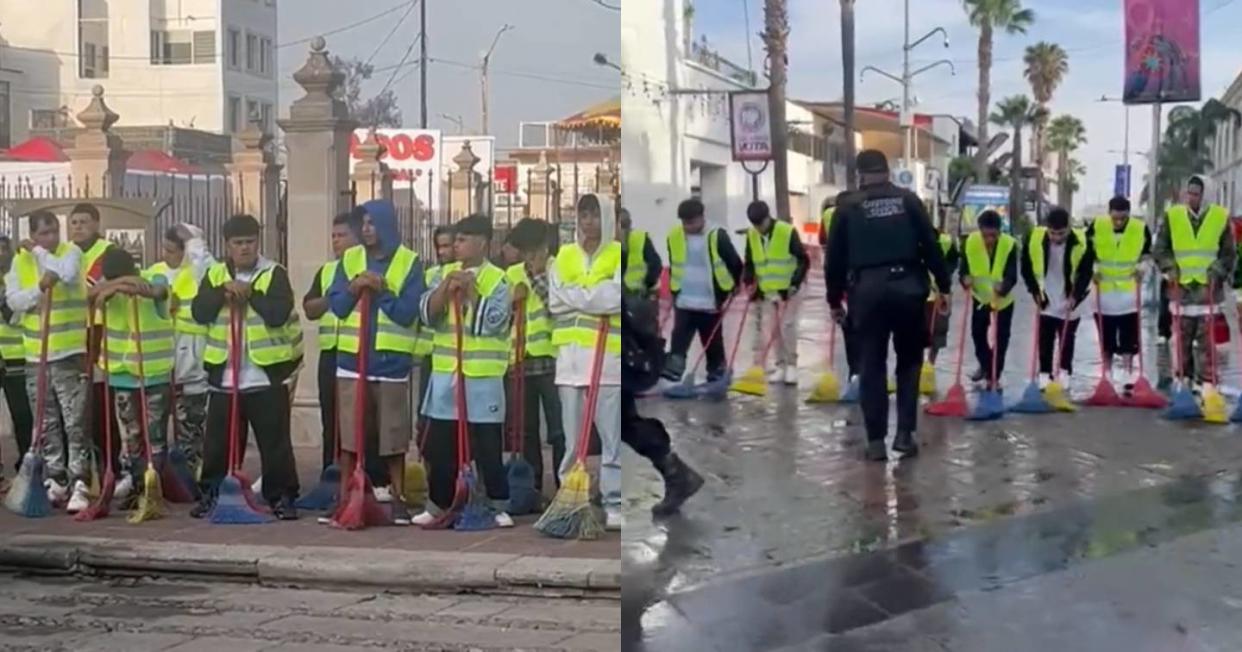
(265, 118)
(48, 119)
(235, 121)
(6, 128)
(205, 46)
(182, 47)
(252, 52)
(92, 39)
(265, 56)
(252, 112)
(234, 48)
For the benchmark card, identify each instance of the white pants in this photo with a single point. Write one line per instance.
(608, 422)
(784, 351)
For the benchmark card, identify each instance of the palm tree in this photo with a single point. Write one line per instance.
(989, 16)
(1065, 135)
(1046, 65)
(847, 69)
(1186, 146)
(776, 39)
(1016, 112)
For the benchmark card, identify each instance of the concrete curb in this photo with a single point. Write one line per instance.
(391, 570)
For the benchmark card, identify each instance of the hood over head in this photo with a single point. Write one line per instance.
(607, 218)
(1202, 180)
(384, 216)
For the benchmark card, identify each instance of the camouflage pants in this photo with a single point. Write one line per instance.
(191, 423)
(67, 448)
(129, 412)
(1196, 336)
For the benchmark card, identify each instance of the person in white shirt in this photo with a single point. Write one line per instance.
(1057, 267)
(1122, 246)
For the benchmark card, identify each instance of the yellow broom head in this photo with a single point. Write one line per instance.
(892, 385)
(752, 382)
(927, 380)
(827, 389)
(571, 514)
(93, 489)
(1054, 393)
(151, 501)
(415, 491)
(1214, 406)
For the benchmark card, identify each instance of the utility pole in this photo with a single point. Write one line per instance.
(1153, 193)
(847, 63)
(422, 61)
(776, 37)
(487, 58)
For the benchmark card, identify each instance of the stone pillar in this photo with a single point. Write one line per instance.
(464, 183)
(371, 178)
(317, 138)
(255, 180)
(541, 194)
(97, 158)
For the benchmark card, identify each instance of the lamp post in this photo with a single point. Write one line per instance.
(487, 58)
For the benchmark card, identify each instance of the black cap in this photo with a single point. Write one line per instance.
(872, 161)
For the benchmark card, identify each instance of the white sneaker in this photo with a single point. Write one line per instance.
(614, 520)
(80, 499)
(503, 520)
(257, 486)
(1044, 381)
(324, 520)
(777, 375)
(383, 494)
(426, 518)
(56, 492)
(123, 487)
(791, 375)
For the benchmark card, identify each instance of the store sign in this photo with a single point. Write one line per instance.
(413, 156)
(506, 179)
(750, 126)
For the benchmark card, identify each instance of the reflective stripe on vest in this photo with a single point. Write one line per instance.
(67, 322)
(1036, 255)
(984, 276)
(1116, 257)
(946, 243)
(267, 346)
(328, 323)
(11, 345)
(538, 322)
(677, 259)
(184, 286)
(577, 328)
(774, 266)
(389, 335)
(635, 265)
(1195, 251)
(483, 356)
(158, 348)
(424, 340)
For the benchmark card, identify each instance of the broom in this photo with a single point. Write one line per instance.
(102, 504)
(151, 501)
(465, 484)
(175, 474)
(358, 507)
(1032, 400)
(571, 515)
(1183, 406)
(27, 496)
(1142, 395)
(523, 497)
(990, 406)
(753, 381)
(686, 388)
(719, 388)
(827, 387)
(927, 375)
(233, 506)
(1054, 393)
(954, 402)
(477, 514)
(1105, 395)
(1213, 402)
(323, 496)
(415, 489)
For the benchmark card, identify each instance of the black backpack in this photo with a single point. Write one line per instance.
(642, 347)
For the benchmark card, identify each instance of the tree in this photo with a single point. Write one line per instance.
(1185, 148)
(1016, 112)
(989, 16)
(376, 111)
(847, 69)
(961, 168)
(776, 40)
(1046, 65)
(1065, 135)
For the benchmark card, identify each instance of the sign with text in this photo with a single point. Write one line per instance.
(1162, 51)
(506, 178)
(750, 126)
(413, 155)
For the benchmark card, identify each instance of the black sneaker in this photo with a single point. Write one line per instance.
(875, 451)
(904, 444)
(204, 507)
(284, 509)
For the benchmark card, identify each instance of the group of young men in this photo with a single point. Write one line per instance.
(196, 331)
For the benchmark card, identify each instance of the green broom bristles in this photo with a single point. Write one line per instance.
(571, 514)
(151, 502)
(415, 489)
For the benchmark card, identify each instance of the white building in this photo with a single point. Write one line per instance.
(1227, 155)
(206, 64)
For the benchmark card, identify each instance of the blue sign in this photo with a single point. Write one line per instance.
(1121, 181)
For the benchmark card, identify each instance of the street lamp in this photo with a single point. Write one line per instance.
(1125, 152)
(487, 58)
(461, 126)
(601, 60)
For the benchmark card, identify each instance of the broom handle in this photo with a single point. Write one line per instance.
(967, 308)
(1099, 331)
(517, 417)
(107, 402)
(592, 397)
(995, 345)
(1138, 323)
(1035, 349)
(136, 331)
(737, 339)
(1210, 340)
(1060, 348)
(1177, 335)
(41, 386)
(463, 433)
(776, 333)
(716, 328)
(360, 400)
(832, 345)
(235, 352)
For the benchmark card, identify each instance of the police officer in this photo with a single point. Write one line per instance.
(881, 249)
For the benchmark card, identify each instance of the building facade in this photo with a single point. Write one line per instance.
(1227, 155)
(203, 64)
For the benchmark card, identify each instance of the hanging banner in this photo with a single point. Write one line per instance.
(413, 155)
(750, 128)
(1162, 51)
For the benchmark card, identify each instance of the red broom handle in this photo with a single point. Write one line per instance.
(517, 418)
(717, 327)
(360, 398)
(463, 432)
(967, 307)
(1177, 335)
(592, 397)
(136, 331)
(832, 345)
(737, 339)
(1060, 348)
(1210, 340)
(235, 352)
(107, 403)
(1099, 331)
(41, 386)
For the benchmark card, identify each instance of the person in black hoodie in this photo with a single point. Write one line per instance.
(703, 271)
(1057, 267)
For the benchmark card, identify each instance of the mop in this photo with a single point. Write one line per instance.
(151, 500)
(1213, 402)
(827, 387)
(175, 473)
(27, 496)
(686, 388)
(233, 504)
(358, 508)
(1054, 393)
(753, 380)
(1182, 406)
(523, 497)
(954, 402)
(1105, 395)
(1142, 395)
(719, 388)
(1032, 400)
(102, 504)
(990, 406)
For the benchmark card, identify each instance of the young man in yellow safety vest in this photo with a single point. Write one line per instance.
(1057, 267)
(528, 283)
(46, 266)
(486, 304)
(13, 353)
(640, 262)
(585, 286)
(1195, 250)
(270, 351)
(442, 237)
(1122, 245)
(776, 262)
(990, 272)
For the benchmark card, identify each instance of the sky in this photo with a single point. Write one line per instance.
(1091, 31)
(554, 40)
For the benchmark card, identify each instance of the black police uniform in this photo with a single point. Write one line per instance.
(881, 248)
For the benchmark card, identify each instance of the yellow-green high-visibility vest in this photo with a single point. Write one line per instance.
(538, 323)
(1195, 251)
(389, 335)
(1116, 257)
(11, 345)
(1036, 254)
(155, 331)
(825, 220)
(184, 286)
(424, 341)
(571, 268)
(635, 265)
(984, 275)
(774, 266)
(268, 346)
(67, 321)
(677, 259)
(946, 243)
(329, 324)
(91, 255)
(482, 356)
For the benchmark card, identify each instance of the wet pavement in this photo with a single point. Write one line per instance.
(793, 538)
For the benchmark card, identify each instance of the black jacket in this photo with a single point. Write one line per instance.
(1009, 278)
(652, 259)
(729, 255)
(801, 260)
(274, 306)
(1076, 287)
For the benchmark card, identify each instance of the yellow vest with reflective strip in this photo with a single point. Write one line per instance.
(483, 356)
(389, 335)
(185, 287)
(984, 276)
(91, 255)
(538, 323)
(329, 324)
(424, 341)
(1036, 254)
(1116, 258)
(11, 345)
(1195, 252)
(825, 220)
(677, 259)
(571, 268)
(156, 332)
(774, 266)
(635, 265)
(267, 346)
(946, 243)
(67, 322)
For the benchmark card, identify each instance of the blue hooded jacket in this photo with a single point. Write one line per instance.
(401, 308)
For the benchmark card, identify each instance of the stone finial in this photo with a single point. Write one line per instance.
(466, 159)
(97, 116)
(252, 137)
(370, 150)
(317, 76)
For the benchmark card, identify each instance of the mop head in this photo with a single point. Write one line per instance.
(927, 380)
(26, 495)
(461, 494)
(151, 501)
(1183, 406)
(1144, 396)
(851, 392)
(415, 490)
(359, 508)
(1054, 393)
(952, 405)
(989, 407)
(323, 496)
(1032, 401)
(1105, 395)
(827, 389)
(177, 476)
(523, 497)
(717, 388)
(231, 505)
(683, 390)
(478, 514)
(102, 504)
(571, 515)
(1214, 406)
(751, 382)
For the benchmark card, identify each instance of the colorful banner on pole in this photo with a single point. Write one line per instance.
(1162, 51)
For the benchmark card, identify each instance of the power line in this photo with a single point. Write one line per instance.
(401, 63)
(605, 5)
(350, 26)
(526, 75)
(392, 31)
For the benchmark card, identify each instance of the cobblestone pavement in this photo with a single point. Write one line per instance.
(135, 615)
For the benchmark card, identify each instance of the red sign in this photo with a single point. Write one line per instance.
(506, 178)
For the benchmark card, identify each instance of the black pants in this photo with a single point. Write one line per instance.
(487, 448)
(266, 411)
(980, 333)
(1164, 323)
(327, 405)
(685, 324)
(1049, 331)
(13, 381)
(98, 397)
(541, 391)
(645, 435)
(888, 304)
(850, 335)
(1121, 334)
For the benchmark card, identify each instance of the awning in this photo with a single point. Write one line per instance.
(39, 149)
(153, 160)
(605, 115)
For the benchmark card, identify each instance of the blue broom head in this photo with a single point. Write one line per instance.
(716, 388)
(1183, 406)
(181, 468)
(989, 407)
(478, 513)
(1236, 417)
(26, 496)
(323, 496)
(523, 497)
(1032, 401)
(851, 392)
(231, 507)
(681, 391)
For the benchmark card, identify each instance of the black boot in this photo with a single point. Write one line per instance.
(680, 483)
(875, 451)
(904, 443)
